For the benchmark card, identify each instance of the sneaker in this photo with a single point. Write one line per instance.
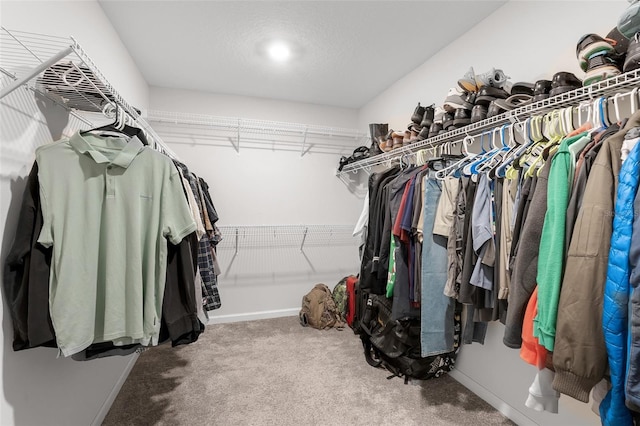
(438, 114)
(453, 101)
(632, 61)
(589, 45)
(468, 81)
(493, 78)
(601, 66)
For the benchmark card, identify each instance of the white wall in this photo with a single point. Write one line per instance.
(271, 186)
(529, 40)
(37, 388)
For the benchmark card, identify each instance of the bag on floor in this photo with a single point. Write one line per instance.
(351, 300)
(319, 310)
(361, 296)
(340, 297)
(344, 298)
(395, 344)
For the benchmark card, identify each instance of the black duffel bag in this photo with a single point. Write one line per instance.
(395, 344)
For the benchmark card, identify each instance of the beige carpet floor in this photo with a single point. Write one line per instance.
(275, 372)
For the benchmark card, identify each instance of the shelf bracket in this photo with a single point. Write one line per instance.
(304, 143)
(235, 254)
(304, 237)
(35, 71)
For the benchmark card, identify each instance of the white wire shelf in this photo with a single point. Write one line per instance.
(58, 68)
(236, 237)
(253, 133)
(609, 87)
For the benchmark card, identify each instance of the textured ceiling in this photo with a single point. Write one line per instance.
(345, 52)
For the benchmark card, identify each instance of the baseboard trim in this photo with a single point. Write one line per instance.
(251, 316)
(509, 411)
(104, 410)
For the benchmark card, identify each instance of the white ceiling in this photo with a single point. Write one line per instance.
(346, 52)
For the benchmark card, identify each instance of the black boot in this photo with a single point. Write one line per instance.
(418, 113)
(377, 131)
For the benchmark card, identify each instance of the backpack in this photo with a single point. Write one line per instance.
(340, 297)
(395, 344)
(319, 310)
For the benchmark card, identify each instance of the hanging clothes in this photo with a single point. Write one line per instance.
(613, 409)
(580, 357)
(99, 329)
(437, 309)
(525, 266)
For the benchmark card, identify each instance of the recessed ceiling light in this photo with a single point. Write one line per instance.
(279, 51)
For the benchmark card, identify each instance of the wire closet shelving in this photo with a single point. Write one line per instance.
(256, 133)
(236, 237)
(58, 68)
(609, 87)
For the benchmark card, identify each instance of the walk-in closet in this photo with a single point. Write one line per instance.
(320, 212)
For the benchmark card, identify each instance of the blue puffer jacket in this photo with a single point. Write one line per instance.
(633, 369)
(613, 411)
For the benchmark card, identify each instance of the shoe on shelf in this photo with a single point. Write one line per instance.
(388, 144)
(493, 78)
(621, 44)
(406, 138)
(494, 109)
(513, 101)
(424, 132)
(453, 101)
(478, 113)
(541, 90)
(398, 138)
(377, 132)
(418, 113)
(488, 94)
(438, 114)
(461, 118)
(632, 61)
(589, 45)
(435, 129)
(468, 81)
(601, 66)
(564, 82)
(469, 100)
(522, 88)
(427, 118)
(447, 120)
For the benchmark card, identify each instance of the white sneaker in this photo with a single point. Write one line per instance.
(468, 81)
(493, 78)
(453, 100)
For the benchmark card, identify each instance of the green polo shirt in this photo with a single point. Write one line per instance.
(109, 207)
